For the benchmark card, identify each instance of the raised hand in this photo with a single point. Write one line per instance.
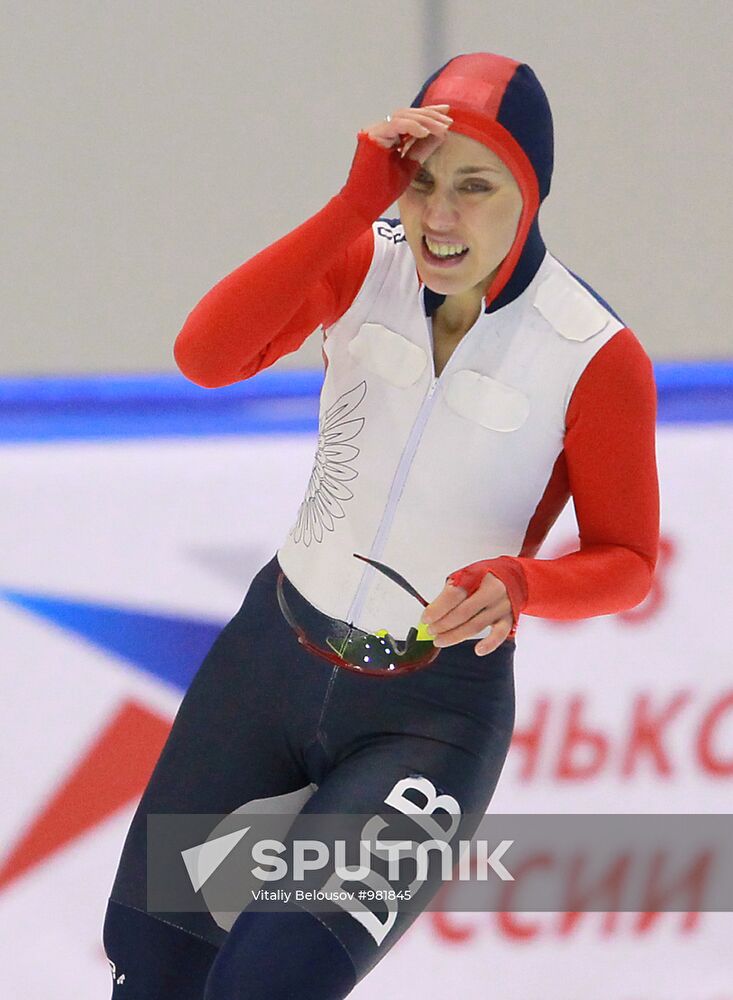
(420, 130)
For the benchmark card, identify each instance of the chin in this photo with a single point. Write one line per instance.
(445, 284)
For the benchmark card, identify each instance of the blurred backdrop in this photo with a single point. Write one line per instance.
(148, 150)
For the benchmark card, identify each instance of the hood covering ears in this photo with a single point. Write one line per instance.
(500, 102)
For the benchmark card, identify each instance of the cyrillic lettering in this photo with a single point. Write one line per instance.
(718, 766)
(580, 741)
(506, 921)
(609, 887)
(646, 733)
(691, 883)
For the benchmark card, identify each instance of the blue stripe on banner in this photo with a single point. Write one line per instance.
(169, 647)
(697, 392)
(142, 406)
(273, 402)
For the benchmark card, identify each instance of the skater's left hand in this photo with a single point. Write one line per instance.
(454, 616)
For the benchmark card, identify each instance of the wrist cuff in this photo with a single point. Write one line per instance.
(508, 569)
(377, 177)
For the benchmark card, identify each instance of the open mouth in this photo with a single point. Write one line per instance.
(452, 253)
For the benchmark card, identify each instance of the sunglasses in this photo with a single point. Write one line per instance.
(374, 653)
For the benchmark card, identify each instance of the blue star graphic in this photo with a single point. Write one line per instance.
(167, 647)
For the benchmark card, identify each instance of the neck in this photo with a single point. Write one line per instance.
(459, 312)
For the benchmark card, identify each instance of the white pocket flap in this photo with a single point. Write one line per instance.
(388, 354)
(571, 310)
(486, 401)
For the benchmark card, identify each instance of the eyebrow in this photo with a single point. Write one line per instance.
(475, 170)
(470, 170)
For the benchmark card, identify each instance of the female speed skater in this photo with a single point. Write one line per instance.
(473, 385)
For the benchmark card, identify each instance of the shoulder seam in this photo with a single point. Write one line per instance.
(591, 292)
(570, 309)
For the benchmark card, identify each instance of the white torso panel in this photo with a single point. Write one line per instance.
(425, 474)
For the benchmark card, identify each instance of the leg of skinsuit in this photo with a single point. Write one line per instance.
(229, 744)
(443, 731)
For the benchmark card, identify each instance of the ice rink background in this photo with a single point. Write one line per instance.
(129, 541)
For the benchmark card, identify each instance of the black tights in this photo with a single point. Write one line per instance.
(263, 717)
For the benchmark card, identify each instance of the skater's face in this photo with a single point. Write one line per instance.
(449, 204)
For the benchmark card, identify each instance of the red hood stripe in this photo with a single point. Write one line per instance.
(477, 81)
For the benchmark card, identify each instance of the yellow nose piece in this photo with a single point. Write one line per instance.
(423, 633)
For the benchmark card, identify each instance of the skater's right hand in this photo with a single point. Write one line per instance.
(419, 130)
(375, 180)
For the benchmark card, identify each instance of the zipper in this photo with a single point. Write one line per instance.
(398, 482)
(402, 471)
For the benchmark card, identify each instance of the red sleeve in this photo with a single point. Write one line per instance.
(611, 461)
(269, 305)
